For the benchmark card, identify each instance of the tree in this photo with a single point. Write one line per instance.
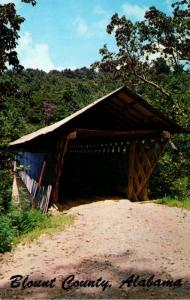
(10, 23)
(154, 55)
(140, 44)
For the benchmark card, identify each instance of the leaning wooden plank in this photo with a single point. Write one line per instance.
(43, 201)
(35, 189)
(46, 203)
(41, 174)
(38, 193)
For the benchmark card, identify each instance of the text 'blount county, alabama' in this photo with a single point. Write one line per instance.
(70, 282)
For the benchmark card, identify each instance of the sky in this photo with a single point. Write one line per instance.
(60, 34)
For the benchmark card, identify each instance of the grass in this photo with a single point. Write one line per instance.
(49, 225)
(180, 203)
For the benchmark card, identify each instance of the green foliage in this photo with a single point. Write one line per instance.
(10, 23)
(171, 177)
(11, 119)
(7, 233)
(21, 222)
(33, 2)
(181, 187)
(139, 44)
(36, 99)
(18, 220)
(33, 99)
(26, 220)
(172, 202)
(5, 190)
(27, 225)
(152, 57)
(48, 225)
(42, 99)
(24, 201)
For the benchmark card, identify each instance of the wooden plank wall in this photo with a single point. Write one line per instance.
(40, 193)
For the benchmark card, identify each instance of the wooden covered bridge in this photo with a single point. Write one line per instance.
(111, 146)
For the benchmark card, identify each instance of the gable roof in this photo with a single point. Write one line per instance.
(121, 109)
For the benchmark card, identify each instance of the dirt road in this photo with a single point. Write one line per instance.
(109, 241)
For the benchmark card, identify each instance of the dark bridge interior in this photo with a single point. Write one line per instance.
(95, 169)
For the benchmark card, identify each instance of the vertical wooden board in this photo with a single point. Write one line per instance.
(62, 148)
(131, 170)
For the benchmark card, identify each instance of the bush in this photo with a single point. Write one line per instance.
(21, 225)
(23, 218)
(5, 190)
(181, 188)
(25, 202)
(7, 233)
(16, 222)
(171, 176)
(28, 220)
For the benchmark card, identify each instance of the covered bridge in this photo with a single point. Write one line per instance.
(111, 146)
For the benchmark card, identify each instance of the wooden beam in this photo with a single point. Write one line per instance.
(60, 156)
(92, 133)
(58, 168)
(131, 172)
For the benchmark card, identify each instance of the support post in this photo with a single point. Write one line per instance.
(131, 172)
(62, 148)
(60, 156)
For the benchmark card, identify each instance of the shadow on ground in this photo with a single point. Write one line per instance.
(71, 202)
(113, 268)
